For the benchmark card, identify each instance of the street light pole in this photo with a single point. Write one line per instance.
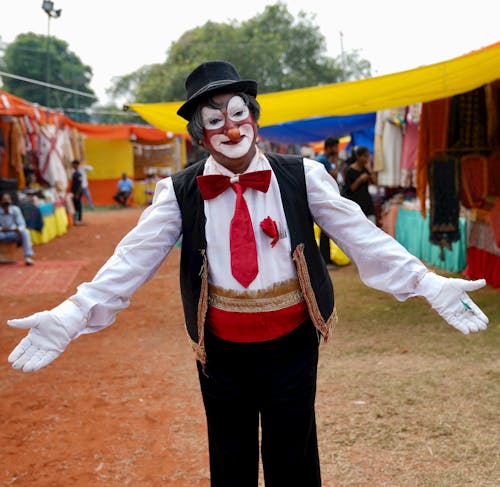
(47, 62)
(48, 8)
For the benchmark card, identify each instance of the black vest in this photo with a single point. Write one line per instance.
(314, 278)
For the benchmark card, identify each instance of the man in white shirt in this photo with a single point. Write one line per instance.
(13, 227)
(257, 295)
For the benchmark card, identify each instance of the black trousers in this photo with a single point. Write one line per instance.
(77, 203)
(275, 380)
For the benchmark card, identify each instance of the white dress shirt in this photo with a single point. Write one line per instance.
(382, 262)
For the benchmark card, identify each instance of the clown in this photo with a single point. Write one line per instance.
(256, 293)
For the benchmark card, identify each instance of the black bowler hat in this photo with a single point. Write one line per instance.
(210, 78)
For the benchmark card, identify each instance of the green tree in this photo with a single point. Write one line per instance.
(49, 60)
(274, 48)
(355, 66)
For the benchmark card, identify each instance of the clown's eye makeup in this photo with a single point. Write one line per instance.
(214, 119)
(211, 118)
(237, 109)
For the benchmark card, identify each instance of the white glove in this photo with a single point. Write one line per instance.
(50, 333)
(448, 297)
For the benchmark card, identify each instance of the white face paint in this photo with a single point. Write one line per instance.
(221, 143)
(217, 122)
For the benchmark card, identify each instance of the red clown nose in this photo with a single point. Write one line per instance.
(234, 134)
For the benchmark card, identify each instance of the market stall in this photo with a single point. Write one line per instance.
(37, 146)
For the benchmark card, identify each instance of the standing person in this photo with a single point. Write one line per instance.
(257, 296)
(13, 227)
(357, 179)
(329, 158)
(76, 191)
(124, 186)
(84, 169)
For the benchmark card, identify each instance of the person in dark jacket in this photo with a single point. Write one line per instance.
(357, 181)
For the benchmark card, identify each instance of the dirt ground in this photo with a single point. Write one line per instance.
(122, 407)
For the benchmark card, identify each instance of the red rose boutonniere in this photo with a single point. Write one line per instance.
(270, 229)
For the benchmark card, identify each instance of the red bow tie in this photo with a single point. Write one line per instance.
(213, 185)
(244, 265)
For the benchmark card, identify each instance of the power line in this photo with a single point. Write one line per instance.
(48, 85)
(93, 111)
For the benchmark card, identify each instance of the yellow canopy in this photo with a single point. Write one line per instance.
(436, 81)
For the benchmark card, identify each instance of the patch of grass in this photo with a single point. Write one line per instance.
(403, 398)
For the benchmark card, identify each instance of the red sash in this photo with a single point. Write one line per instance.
(255, 327)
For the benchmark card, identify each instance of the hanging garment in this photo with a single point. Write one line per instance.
(495, 222)
(378, 162)
(410, 146)
(468, 121)
(494, 174)
(51, 163)
(392, 143)
(444, 188)
(433, 139)
(17, 144)
(492, 101)
(474, 172)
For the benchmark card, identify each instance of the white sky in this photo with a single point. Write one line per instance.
(115, 37)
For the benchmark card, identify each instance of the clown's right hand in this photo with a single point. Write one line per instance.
(50, 332)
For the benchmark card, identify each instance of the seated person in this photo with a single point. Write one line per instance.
(33, 188)
(125, 186)
(13, 227)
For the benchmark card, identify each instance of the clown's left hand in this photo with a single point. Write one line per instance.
(449, 298)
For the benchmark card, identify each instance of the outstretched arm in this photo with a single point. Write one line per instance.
(96, 303)
(383, 263)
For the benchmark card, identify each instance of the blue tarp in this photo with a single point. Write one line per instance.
(319, 128)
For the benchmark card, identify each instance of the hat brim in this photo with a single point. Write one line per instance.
(224, 86)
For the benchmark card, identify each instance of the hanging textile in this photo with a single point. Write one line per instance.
(495, 222)
(17, 146)
(433, 139)
(468, 126)
(492, 100)
(2, 149)
(474, 170)
(410, 146)
(51, 161)
(378, 163)
(494, 174)
(392, 143)
(444, 190)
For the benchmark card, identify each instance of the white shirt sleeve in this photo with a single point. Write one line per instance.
(134, 261)
(382, 262)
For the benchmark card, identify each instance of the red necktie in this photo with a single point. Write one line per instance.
(244, 265)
